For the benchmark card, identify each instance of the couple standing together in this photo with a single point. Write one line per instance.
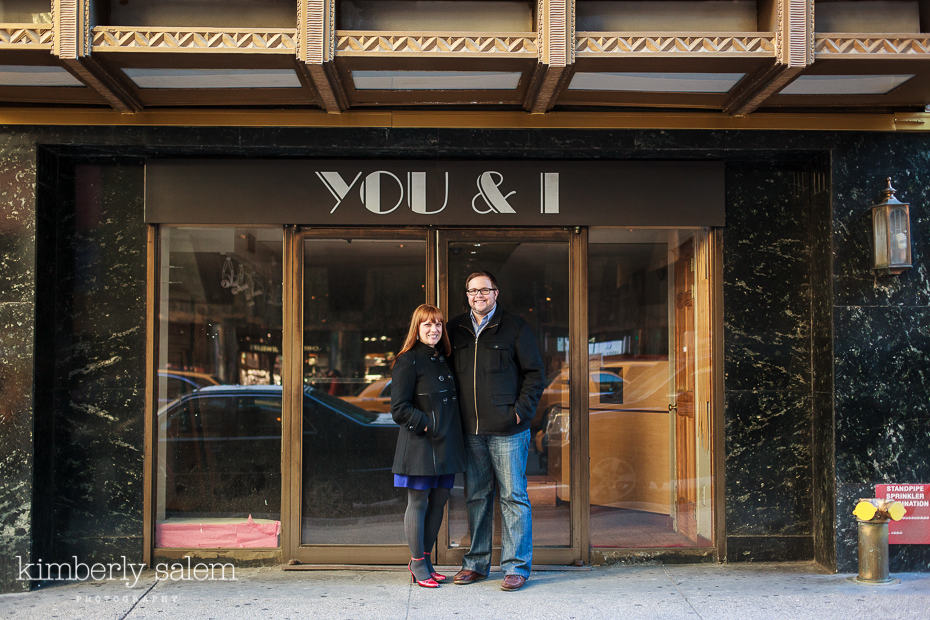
(464, 395)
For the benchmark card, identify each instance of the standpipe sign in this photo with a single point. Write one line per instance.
(914, 527)
(434, 192)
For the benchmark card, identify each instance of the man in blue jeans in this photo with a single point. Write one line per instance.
(500, 380)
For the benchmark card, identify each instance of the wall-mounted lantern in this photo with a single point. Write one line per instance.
(891, 231)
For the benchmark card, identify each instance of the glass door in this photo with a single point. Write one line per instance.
(357, 291)
(532, 270)
(650, 366)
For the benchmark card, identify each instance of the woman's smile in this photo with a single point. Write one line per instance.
(430, 332)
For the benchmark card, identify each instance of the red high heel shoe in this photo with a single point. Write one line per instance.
(423, 583)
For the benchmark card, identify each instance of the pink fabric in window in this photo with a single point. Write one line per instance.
(218, 535)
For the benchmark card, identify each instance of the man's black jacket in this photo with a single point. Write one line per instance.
(500, 373)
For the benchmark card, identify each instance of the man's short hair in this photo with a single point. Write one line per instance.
(480, 274)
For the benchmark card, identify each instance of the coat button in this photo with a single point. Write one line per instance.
(442, 378)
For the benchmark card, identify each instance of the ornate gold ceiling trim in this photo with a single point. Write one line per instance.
(365, 43)
(483, 119)
(859, 45)
(593, 44)
(245, 40)
(26, 36)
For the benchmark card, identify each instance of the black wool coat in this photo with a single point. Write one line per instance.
(424, 402)
(500, 373)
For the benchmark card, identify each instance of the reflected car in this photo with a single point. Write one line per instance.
(375, 396)
(177, 383)
(221, 447)
(628, 432)
(605, 387)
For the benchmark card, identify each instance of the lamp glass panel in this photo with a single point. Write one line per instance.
(880, 232)
(898, 236)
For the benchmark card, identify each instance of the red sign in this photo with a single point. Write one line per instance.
(914, 528)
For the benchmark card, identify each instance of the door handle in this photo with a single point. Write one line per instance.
(672, 408)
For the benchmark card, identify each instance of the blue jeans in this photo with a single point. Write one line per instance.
(500, 458)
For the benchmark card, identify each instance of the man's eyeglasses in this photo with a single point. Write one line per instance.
(474, 291)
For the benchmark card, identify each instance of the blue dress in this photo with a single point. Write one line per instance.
(423, 483)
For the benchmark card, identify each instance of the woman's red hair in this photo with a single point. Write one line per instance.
(426, 312)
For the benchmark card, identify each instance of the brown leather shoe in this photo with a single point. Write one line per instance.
(465, 577)
(512, 583)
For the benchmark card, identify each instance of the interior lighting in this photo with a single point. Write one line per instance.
(213, 78)
(656, 82)
(436, 80)
(844, 84)
(34, 75)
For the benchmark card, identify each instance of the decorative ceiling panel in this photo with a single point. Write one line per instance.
(860, 45)
(266, 40)
(358, 43)
(599, 44)
(26, 36)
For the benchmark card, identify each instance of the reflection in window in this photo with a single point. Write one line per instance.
(609, 387)
(219, 387)
(649, 480)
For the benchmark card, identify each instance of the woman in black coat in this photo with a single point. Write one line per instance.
(430, 449)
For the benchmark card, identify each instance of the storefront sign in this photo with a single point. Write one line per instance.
(436, 193)
(914, 528)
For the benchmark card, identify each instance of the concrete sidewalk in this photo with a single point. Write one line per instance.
(642, 591)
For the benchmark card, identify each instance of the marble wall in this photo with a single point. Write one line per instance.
(881, 336)
(822, 439)
(803, 313)
(17, 311)
(767, 368)
(93, 321)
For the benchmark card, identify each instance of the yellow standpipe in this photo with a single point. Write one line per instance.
(873, 516)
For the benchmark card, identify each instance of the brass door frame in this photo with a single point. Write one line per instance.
(578, 317)
(714, 242)
(151, 382)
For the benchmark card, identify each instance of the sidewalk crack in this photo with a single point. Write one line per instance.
(138, 600)
(682, 594)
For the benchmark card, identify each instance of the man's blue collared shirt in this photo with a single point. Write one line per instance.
(484, 321)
